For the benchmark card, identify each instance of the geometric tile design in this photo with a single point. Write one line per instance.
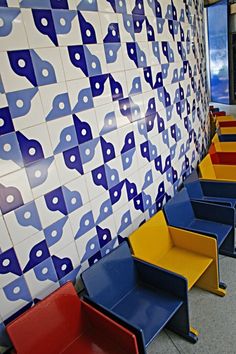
(103, 108)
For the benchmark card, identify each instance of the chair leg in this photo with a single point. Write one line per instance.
(180, 324)
(210, 280)
(228, 246)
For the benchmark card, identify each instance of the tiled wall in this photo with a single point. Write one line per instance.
(103, 111)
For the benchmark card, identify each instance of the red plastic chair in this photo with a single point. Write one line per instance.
(62, 323)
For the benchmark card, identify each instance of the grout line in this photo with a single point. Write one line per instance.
(175, 345)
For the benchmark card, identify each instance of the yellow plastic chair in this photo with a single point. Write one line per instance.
(187, 253)
(227, 130)
(223, 118)
(208, 170)
(225, 146)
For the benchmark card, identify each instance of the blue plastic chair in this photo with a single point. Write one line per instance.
(204, 218)
(140, 296)
(218, 192)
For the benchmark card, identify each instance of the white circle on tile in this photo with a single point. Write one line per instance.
(120, 3)
(55, 200)
(20, 103)
(159, 79)
(132, 50)
(88, 33)
(94, 64)
(137, 23)
(136, 85)
(99, 176)
(54, 233)
(150, 32)
(126, 220)
(97, 85)
(108, 151)
(113, 177)
(155, 49)
(6, 262)
(161, 124)
(113, 32)
(153, 151)
(107, 251)
(105, 209)
(111, 53)
(124, 107)
(150, 123)
(7, 147)
(73, 201)
(135, 112)
(87, 152)
(117, 90)
(95, 261)
(68, 137)
(148, 178)
(142, 126)
(2, 122)
(32, 151)
(85, 99)
(147, 201)
(16, 290)
(86, 222)
(151, 105)
(44, 21)
(44, 270)
(158, 163)
(138, 201)
(61, 105)
(45, 72)
(92, 246)
(109, 121)
(21, 63)
(38, 173)
(10, 198)
(145, 149)
(62, 21)
(139, 6)
(83, 132)
(161, 189)
(128, 23)
(63, 267)
(2, 23)
(27, 215)
(72, 158)
(77, 56)
(90, 1)
(159, 205)
(104, 237)
(115, 194)
(39, 253)
(127, 159)
(131, 190)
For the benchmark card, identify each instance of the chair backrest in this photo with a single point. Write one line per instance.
(206, 168)
(226, 146)
(49, 326)
(194, 189)
(113, 276)
(152, 240)
(178, 210)
(223, 158)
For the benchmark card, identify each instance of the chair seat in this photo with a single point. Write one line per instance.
(91, 342)
(232, 201)
(189, 264)
(222, 230)
(148, 309)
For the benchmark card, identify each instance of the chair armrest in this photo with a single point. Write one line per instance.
(213, 212)
(219, 189)
(191, 241)
(105, 326)
(121, 320)
(162, 279)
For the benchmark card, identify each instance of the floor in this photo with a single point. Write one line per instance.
(214, 317)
